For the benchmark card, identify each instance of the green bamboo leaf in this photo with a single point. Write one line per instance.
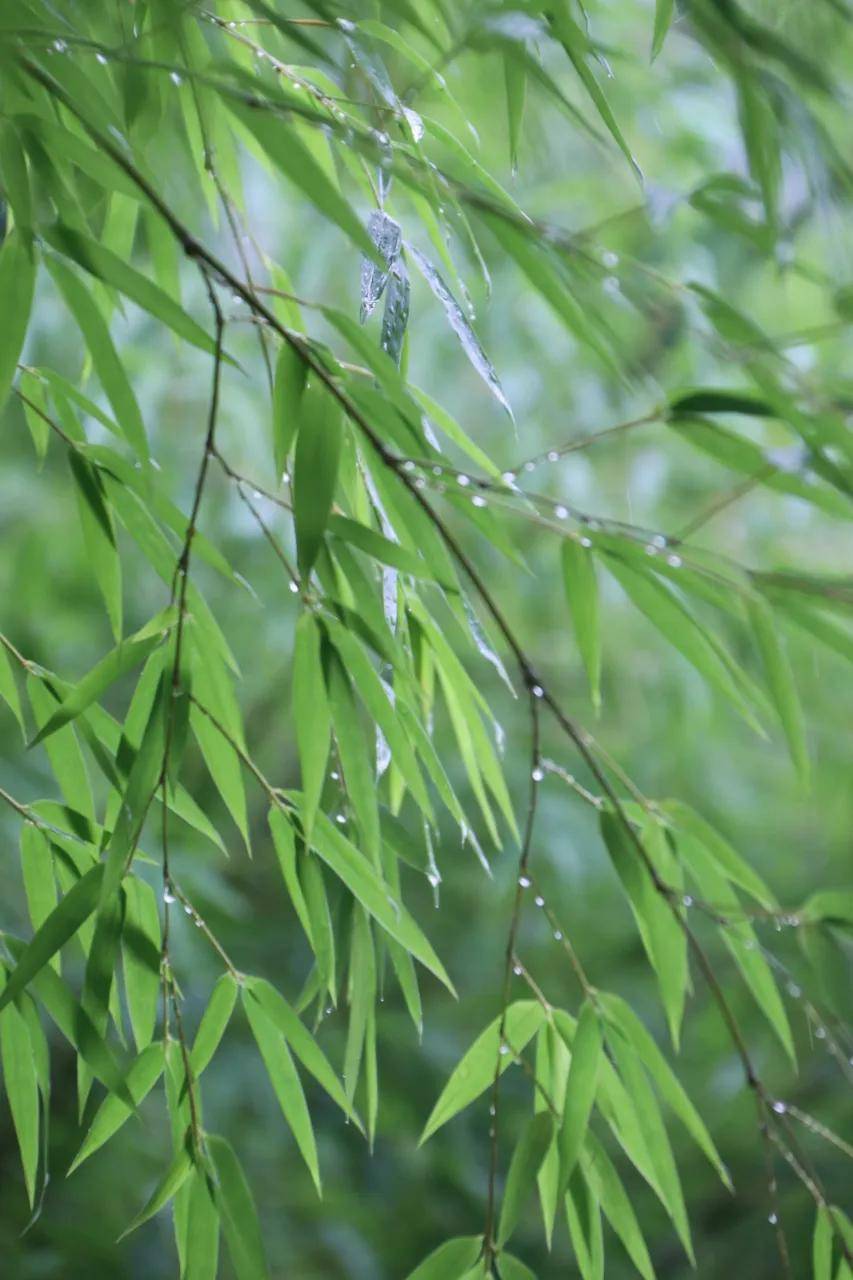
(780, 682)
(105, 359)
(351, 867)
(514, 1269)
(237, 1211)
(822, 1245)
(39, 879)
(9, 689)
(284, 843)
(315, 471)
(739, 938)
(475, 1071)
(311, 716)
(605, 1182)
(61, 925)
(21, 1081)
(288, 389)
(107, 266)
(581, 1087)
(381, 548)
(654, 1135)
(727, 860)
(75, 1025)
(583, 1215)
(223, 763)
(718, 400)
(450, 1261)
(214, 1020)
(523, 1169)
(663, 938)
(141, 950)
(293, 159)
(96, 520)
(117, 663)
(664, 10)
(201, 1257)
(17, 283)
(356, 757)
(582, 596)
(285, 1081)
(16, 179)
(620, 1014)
(170, 1183)
(143, 1074)
(666, 612)
(515, 78)
(303, 1044)
(577, 46)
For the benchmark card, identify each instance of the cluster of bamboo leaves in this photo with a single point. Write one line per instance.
(393, 624)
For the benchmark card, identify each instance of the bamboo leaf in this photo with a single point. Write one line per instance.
(237, 1211)
(285, 1082)
(582, 596)
(141, 957)
(581, 1088)
(315, 470)
(17, 283)
(20, 1079)
(61, 925)
(476, 1069)
(288, 389)
(214, 1020)
(523, 1169)
(663, 18)
(780, 681)
(450, 1261)
(114, 1111)
(170, 1183)
(312, 717)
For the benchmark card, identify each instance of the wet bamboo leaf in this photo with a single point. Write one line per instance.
(39, 879)
(450, 1261)
(780, 681)
(202, 1231)
(461, 327)
(141, 958)
(99, 536)
(285, 1081)
(311, 715)
(170, 1183)
(17, 282)
(214, 1020)
(315, 470)
(395, 317)
(476, 1070)
(237, 1212)
(581, 1087)
(19, 1077)
(61, 925)
(582, 596)
(385, 234)
(114, 1111)
(290, 375)
(523, 1169)
(663, 18)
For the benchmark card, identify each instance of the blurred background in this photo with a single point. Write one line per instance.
(382, 1212)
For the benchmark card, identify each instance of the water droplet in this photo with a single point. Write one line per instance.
(294, 587)
(517, 970)
(504, 1050)
(779, 1107)
(610, 259)
(187, 909)
(610, 284)
(524, 881)
(558, 937)
(175, 77)
(553, 456)
(340, 818)
(346, 25)
(773, 1218)
(478, 500)
(794, 991)
(335, 776)
(562, 513)
(538, 691)
(529, 466)
(674, 562)
(586, 542)
(168, 896)
(538, 774)
(464, 481)
(60, 46)
(659, 540)
(437, 471)
(101, 58)
(408, 465)
(539, 900)
(687, 900)
(508, 477)
(820, 1033)
(651, 549)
